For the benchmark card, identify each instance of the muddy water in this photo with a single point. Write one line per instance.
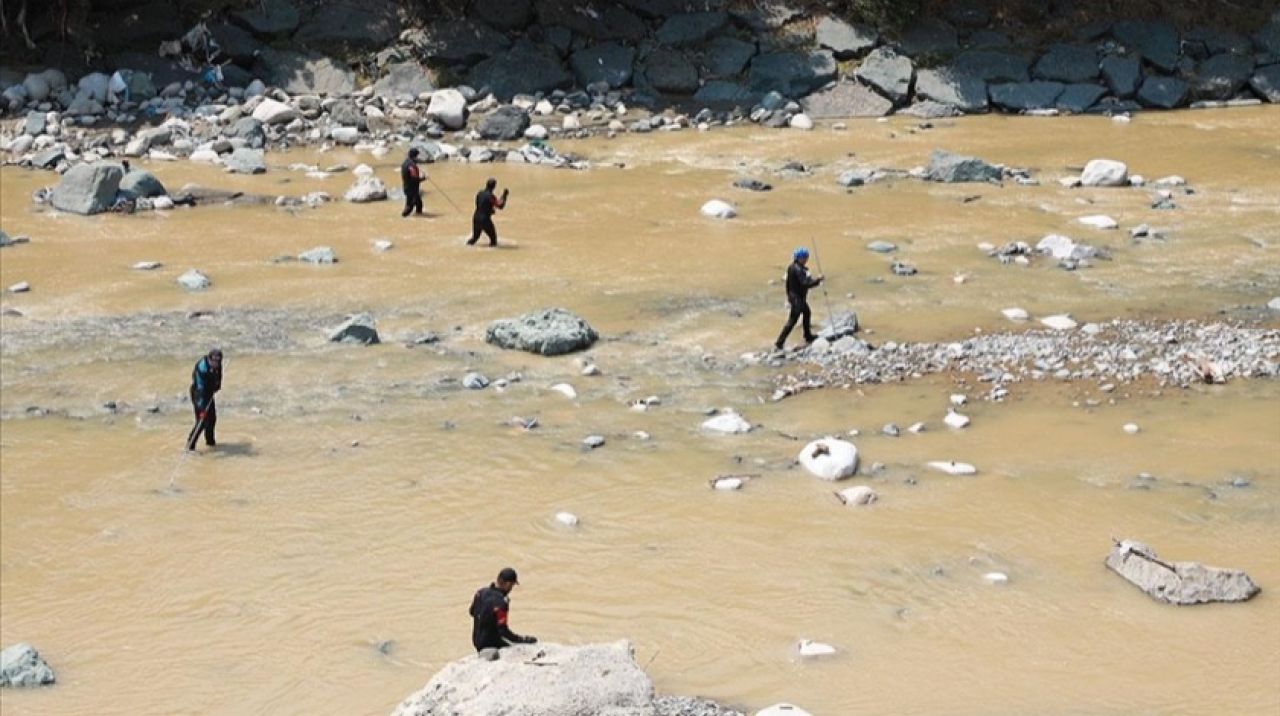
(360, 496)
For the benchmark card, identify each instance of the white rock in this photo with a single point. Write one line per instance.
(1056, 245)
(956, 420)
(1099, 221)
(857, 496)
(448, 107)
(590, 369)
(205, 155)
(1069, 182)
(783, 709)
(146, 266)
(718, 209)
(270, 111)
(474, 381)
(1137, 180)
(1105, 172)
(535, 131)
(952, 467)
(363, 170)
(255, 89)
(729, 423)
(1015, 314)
(20, 287)
(916, 428)
(1131, 428)
(1059, 322)
(382, 245)
(958, 399)
(1274, 304)
(21, 144)
(1171, 180)
(318, 255)
(800, 121)
(193, 280)
(727, 483)
(344, 135)
(568, 519)
(544, 107)
(566, 390)
(830, 458)
(366, 189)
(995, 578)
(571, 123)
(162, 203)
(809, 648)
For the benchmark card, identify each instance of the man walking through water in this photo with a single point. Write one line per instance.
(798, 284)
(489, 609)
(206, 379)
(411, 176)
(482, 220)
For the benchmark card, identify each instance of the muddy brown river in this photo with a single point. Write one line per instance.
(359, 494)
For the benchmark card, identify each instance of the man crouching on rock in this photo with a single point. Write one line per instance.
(489, 609)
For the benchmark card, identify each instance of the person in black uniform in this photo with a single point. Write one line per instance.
(411, 176)
(206, 379)
(798, 284)
(482, 220)
(489, 610)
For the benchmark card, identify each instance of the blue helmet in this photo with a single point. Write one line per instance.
(800, 253)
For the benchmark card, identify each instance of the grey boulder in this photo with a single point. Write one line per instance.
(929, 36)
(950, 168)
(1078, 98)
(1220, 77)
(691, 27)
(1162, 92)
(792, 74)
(1122, 75)
(1021, 96)
(1266, 82)
(607, 62)
(1156, 41)
(727, 56)
(318, 255)
(21, 666)
(888, 72)
(461, 41)
(838, 326)
(993, 66)
(304, 73)
(844, 40)
(87, 188)
(246, 161)
(138, 183)
(671, 72)
(723, 93)
(504, 14)
(1179, 583)
(350, 25)
(404, 80)
(1067, 63)
(549, 332)
(523, 68)
(947, 86)
(505, 123)
(846, 99)
(360, 328)
(35, 123)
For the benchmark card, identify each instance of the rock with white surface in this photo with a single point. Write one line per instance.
(566, 390)
(809, 648)
(1181, 583)
(717, 209)
(728, 423)
(1059, 322)
(952, 467)
(857, 496)
(1099, 221)
(568, 519)
(1105, 172)
(956, 420)
(830, 458)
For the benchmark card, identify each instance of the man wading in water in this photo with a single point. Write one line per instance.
(206, 379)
(798, 284)
(411, 176)
(489, 608)
(482, 220)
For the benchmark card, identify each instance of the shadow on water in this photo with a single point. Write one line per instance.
(225, 450)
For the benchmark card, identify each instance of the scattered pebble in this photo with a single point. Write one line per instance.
(809, 648)
(857, 496)
(591, 442)
(995, 578)
(953, 468)
(568, 519)
(1131, 428)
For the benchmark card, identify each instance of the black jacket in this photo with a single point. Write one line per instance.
(486, 204)
(411, 176)
(205, 381)
(489, 630)
(799, 282)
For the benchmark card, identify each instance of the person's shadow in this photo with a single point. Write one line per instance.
(244, 449)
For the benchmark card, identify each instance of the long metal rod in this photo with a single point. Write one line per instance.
(446, 196)
(831, 317)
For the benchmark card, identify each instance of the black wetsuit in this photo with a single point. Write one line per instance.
(482, 220)
(798, 284)
(205, 381)
(411, 177)
(489, 630)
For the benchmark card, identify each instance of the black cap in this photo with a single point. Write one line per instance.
(508, 575)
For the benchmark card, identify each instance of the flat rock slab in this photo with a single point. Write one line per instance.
(1178, 582)
(846, 99)
(539, 680)
(549, 332)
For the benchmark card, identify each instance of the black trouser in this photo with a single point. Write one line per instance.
(483, 224)
(412, 201)
(798, 310)
(210, 420)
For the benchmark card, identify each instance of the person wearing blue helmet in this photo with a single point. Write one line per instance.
(798, 284)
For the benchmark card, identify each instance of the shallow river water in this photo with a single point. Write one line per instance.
(360, 494)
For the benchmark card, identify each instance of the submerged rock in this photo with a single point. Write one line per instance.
(194, 280)
(729, 423)
(830, 459)
(859, 496)
(947, 167)
(1178, 582)
(549, 332)
(318, 255)
(21, 665)
(717, 209)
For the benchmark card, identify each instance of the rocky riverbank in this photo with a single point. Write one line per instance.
(228, 89)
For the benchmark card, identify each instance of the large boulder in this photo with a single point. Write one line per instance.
(1162, 92)
(1220, 77)
(459, 41)
(21, 666)
(305, 73)
(604, 21)
(957, 89)
(367, 189)
(248, 129)
(270, 111)
(1021, 96)
(505, 123)
(246, 161)
(139, 183)
(888, 72)
(350, 24)
(1266, 82)
(506, 15)
(1267, 38)
(549, 332)
(844, 40)
(929, 37)
(691, 28)
(236, 43)
(791, 74)
(449, 108)
(35, 123)
(269, 17)
(403, 81)
(993, 66)
(87, 188)
(830, 459)
(1179, 583)
(1156, 41)
(669, 71)
(727, 56)
(524, 68)
(1105, 172)
(607, 62)
(724, 93)
(846, 99)
(360, 328)
(948, 167)
(1067, 63)
(1122, 75)
(1078, 98)
(538, 680)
